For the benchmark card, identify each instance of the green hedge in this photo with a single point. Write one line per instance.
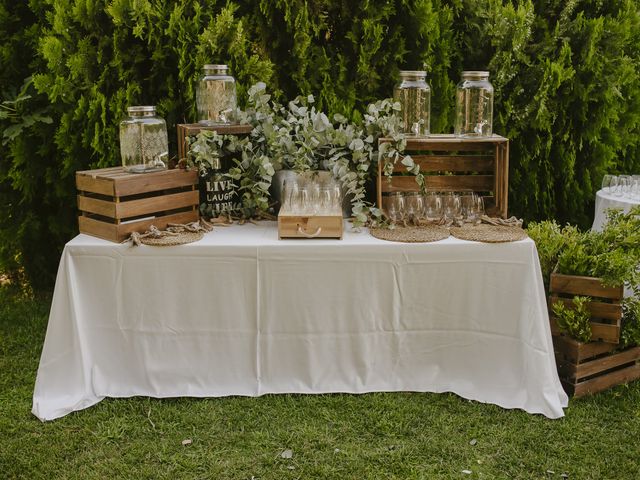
(566, 78)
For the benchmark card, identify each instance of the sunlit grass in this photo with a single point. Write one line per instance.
(374, 436)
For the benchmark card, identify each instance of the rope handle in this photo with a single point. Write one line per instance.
(309, 235)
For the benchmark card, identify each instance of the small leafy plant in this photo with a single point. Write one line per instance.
(630, 332)
(612, 254)
(575, 320)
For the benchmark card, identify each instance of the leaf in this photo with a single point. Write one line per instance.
(473, 442)
(288, 453)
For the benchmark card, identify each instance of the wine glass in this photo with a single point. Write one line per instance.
(414, 205)
(432, 207)
(624, 185)
(607, 183)
(468, 208)
(635, 187)
(395, 207)
(450, 206)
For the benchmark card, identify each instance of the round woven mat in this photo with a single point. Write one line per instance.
(489, 233)
(430, 233)
(171, 240)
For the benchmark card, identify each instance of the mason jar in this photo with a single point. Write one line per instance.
(474, 105)
(414, 94)
(144, 145)
(216, 96)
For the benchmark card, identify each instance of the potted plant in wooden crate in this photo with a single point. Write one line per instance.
(595, 330)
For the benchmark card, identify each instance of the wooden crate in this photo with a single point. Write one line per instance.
(186, 130)
(316, 226)
(114, 203)
(452, 163)
(605, 307)
(587, 368)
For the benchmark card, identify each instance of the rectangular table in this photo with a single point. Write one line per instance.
(243, 313)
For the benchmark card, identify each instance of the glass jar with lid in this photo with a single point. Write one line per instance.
(144, 144)
(474, 105)
(414, 94)
(216, 96)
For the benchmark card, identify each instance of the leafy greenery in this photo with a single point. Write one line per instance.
(303, 139)
(373, 436)
(574, 320)
(612, 254)
(550, 239)
(630, 331)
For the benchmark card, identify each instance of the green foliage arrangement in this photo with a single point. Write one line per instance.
(566, 76)
(550, 239)
(612, 254)
(301, 138)
(574, 321)
(630, 330)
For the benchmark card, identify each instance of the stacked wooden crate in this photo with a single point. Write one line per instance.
(114, 203)
(590, 367)
(451, 163)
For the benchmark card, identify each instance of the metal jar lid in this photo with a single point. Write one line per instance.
(475, 74)
(141, 109)
(413, 74)
(215, 67)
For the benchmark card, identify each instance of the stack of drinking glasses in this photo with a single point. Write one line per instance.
(311, 196)
(413, 208)
(626, 186)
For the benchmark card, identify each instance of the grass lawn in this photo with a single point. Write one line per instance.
(373, 436)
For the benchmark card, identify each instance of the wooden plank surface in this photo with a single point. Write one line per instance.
(477, 183)
(588, 286)
(316, 226)
(605, 363)
(451, 163)
(155, 181)
(195, 128)
(160, 203)
(118, 233)
(125, 229)
(599, 331)
(606, 311)
(97, 206)
(603, 382)
(578, 351)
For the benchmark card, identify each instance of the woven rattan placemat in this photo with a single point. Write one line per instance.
(489, 233)
(431, 233)
(171, 240)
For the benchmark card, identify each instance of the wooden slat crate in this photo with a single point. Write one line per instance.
(316, 226)
(114, 203)
(186, 130)
(587, 368)
(605, 307)
(452, 163)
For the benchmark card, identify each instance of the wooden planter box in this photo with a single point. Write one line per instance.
(605, 307)
(451, 163)
(192, 129)
(587, 368)
(114, 203)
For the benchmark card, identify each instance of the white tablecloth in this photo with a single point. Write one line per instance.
(243, 313)
(604, 201)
